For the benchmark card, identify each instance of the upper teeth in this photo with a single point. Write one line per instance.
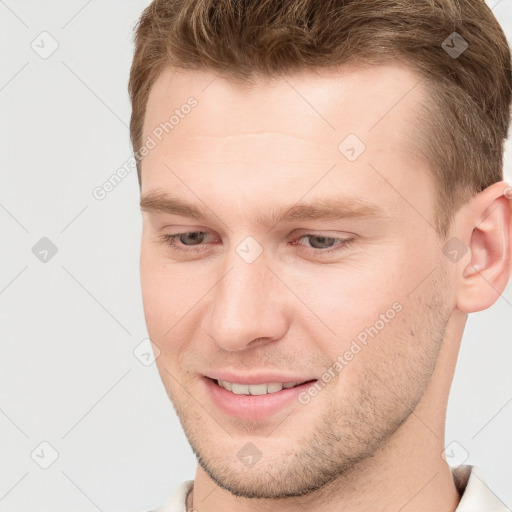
(255, 389)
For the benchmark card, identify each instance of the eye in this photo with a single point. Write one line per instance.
(195, 237)
(321, 244)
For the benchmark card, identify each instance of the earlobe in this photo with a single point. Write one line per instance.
(488, 236)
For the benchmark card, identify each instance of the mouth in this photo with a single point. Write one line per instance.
(254, 401)
(257, 389)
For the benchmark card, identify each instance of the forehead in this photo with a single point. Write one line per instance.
(335, 99)
(279, 132)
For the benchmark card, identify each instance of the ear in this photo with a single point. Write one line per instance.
(486, 230)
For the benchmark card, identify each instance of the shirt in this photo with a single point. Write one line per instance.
(476, 496)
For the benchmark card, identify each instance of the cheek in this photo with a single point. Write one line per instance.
(387, 356)
(159, 294)
(366, 301)
(171, 294)
(349, 297)
(150, 287)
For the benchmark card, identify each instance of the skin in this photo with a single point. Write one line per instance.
(373, 437)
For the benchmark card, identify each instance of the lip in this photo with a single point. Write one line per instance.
(258, 378)
(253, 407)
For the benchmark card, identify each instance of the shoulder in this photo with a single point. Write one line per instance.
(475, 494)
(177, 500)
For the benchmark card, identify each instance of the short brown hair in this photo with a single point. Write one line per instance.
(465, 119)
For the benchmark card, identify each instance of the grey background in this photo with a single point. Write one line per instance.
(70, 325)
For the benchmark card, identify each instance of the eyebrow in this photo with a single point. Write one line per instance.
(321, 209)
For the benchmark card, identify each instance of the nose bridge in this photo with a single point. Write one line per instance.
(244, 305)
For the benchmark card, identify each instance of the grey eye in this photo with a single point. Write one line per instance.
(323, 241)
(196, 237)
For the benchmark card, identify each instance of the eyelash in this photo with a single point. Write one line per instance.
(170, 240)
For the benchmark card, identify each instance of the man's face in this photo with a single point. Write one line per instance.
(248, 296)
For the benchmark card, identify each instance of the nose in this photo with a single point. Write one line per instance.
(246, 306)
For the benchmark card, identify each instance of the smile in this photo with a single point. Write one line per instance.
(256, 389)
